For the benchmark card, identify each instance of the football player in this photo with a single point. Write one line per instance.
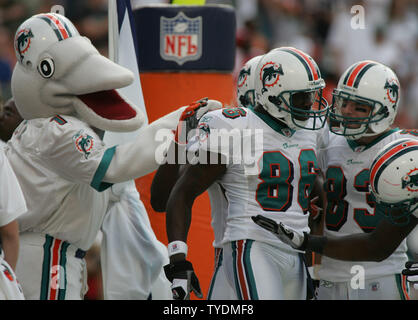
(364, 107)
(167, 175)
(272, 174)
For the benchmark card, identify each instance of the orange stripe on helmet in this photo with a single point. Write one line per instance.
(386, 156)
(355, 72)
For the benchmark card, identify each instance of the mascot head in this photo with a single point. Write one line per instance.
(60, 72)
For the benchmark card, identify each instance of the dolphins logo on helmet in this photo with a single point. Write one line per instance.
(22, 42)
(245, 83)
(270, 74)
(410, 180)
(392, 90)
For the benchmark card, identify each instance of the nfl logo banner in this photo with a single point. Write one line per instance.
(181, 38)
(185, 38)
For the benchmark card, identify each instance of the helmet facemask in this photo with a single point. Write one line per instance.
(247, 99)
(296, 107)
(354, 128)
(398, 213)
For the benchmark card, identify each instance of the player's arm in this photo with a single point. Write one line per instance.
(9, 235)
(375, 246)
(164, 180)
(193, 181)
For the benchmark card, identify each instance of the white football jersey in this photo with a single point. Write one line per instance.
(270, 170)
(12, 202)
(350, 206)
(60, 163)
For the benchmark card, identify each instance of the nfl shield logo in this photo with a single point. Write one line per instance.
(180, 38)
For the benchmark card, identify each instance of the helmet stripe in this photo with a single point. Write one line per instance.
(60, 29)
(58, 34)
(313, 73)
(361, 74)
(348, 74)
(59, 25)
(314, 70)
(357, 72)
(65, 26)
(382, 162)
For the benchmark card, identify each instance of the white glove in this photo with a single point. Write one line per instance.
(285, 234)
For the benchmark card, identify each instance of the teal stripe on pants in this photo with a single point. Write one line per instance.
(248, 270)
(46, 268)
(63, 262)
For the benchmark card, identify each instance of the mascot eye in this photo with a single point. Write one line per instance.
(46, 67)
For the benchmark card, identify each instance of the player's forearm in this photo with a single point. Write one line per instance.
(10, 242)
(164, 180)
(377, 245)
(161, 186)
(179, 216)
(357, 247)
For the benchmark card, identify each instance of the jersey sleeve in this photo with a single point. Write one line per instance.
(76, 153)
(12, 201)
(219, 132)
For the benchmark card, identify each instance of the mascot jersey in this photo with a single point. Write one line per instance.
(60, 162)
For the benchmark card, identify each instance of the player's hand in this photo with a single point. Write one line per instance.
(183, 280)
(190, 117)
(411, 273)
(285, 234)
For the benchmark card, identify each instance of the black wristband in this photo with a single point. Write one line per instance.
(314, 243)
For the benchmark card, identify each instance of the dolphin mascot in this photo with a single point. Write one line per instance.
(66, 93)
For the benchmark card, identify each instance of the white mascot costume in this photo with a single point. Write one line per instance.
(65, 90)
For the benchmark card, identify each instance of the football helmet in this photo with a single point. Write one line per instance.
(394, 180)
(33, 37)
(245, 83)
(58, 71)
(367, 83)
(288, 85)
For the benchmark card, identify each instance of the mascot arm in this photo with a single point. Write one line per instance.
(140, 157)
